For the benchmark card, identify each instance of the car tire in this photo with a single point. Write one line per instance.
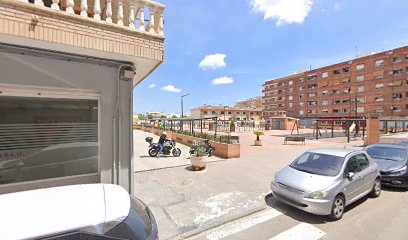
(153, 152)
(376, 191)
(338, 208)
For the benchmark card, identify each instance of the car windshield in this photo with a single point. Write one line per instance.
(387, 153)
(317, 163)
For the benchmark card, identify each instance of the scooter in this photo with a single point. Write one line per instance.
(169, 147)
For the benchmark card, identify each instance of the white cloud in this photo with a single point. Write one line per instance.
(284, 11)
(222, 80)
(171, 88)
(336, 6)
(152, 85)
(213, 61)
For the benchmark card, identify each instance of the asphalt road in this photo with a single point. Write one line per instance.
(381, 218)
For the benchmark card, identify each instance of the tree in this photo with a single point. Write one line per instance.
(174, 116)
(150, 116)
(141, 117)
(162, 116)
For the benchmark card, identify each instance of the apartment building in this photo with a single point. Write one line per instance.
(255, 102)
(68, 70)
(228, 113)
(377, 83)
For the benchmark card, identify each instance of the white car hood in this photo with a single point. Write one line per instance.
(36, 213)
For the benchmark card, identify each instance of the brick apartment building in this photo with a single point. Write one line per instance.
(377, 83)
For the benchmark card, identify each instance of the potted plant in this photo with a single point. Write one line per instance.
(198, 156)
(258, 142)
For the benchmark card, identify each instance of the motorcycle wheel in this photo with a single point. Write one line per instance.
(176, 152)
(153, 152)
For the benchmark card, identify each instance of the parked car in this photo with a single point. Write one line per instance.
(59, 160)
(88, 211)
(325, 181)
(393, 162)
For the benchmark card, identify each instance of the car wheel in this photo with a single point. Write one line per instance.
(376, 191)
(153, 152)
(338, 208)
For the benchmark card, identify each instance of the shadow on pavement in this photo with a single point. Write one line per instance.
(303, 216)
(393, 189)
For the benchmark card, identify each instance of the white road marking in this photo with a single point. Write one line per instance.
(302, 231)
(243, 224)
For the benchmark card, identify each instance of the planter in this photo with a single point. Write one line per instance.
(198, 163)
(258, 142)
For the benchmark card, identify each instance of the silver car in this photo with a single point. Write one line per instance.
(325, 181)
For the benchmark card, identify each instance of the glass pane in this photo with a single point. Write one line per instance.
(44, 138)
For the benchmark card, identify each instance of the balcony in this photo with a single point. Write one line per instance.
(120, 30)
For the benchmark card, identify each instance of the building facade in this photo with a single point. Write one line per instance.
(255, 102)
(228, 113)
(377, 83)
(68, 72)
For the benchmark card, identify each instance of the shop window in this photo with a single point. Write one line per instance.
(47, 138)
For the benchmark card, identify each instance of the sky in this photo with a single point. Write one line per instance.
(222, 51)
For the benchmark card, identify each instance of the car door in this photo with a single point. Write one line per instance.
(366, 172)
(353, 185)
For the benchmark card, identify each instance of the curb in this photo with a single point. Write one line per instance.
(218, 222)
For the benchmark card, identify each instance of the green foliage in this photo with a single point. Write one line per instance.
(200, 150)
(162, 116)
(174, 116)
(150, 116)
(258, 134)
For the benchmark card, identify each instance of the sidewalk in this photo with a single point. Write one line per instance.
(186, 202)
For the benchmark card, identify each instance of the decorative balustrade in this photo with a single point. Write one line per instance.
(126, 13)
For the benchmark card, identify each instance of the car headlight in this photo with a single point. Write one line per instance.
(317, 195)
(398, 172)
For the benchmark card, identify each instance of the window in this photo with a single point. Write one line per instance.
(397, 96)
(312, 77)
(379, 99)
(397, 71)
(336, 111)
(222, 112)
(325, 102)
(47, 133)
(312, 95)
(379, 86)
(325, 111)
(360, 89)
(301, 88)
(345, 80)
(360, 109)
(301, 96)
(301, 80)
(312, 86)
(213, 112)
(325, 75)
(346, 110)
(229, 113)
(205, 112)
(290, 98)
(360, 67)
(290, 82)
(290, 90)
(290, 105)
(325, 93)
(353, 165)
(337, 101)
(361, 100)
(301, 104)
(336, 72)
(346, 70)
(397, 59)
(360, 78)
(301, 112)
(312, 103)
(379, 63)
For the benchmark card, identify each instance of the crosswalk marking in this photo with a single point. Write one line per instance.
(302, 231)
(243, 224)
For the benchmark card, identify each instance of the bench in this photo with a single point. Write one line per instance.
(294, 139)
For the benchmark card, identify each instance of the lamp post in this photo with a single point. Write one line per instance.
(185, 95)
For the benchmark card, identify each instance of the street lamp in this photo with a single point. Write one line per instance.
(185, 95)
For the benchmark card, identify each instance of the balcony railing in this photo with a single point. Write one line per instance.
(125, 13)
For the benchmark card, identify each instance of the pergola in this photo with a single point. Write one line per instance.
(171, 123)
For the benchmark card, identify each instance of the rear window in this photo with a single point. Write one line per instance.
(320, 164)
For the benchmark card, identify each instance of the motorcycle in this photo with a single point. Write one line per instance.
(169, 147)
(208, 147)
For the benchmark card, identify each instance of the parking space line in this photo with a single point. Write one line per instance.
(302, 231)
(243, 224)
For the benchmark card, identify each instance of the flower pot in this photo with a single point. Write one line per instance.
(198, 163)
(258, 143)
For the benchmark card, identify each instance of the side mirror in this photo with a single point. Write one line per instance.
(350, 175)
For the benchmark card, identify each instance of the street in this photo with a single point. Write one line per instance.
(231, 199)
